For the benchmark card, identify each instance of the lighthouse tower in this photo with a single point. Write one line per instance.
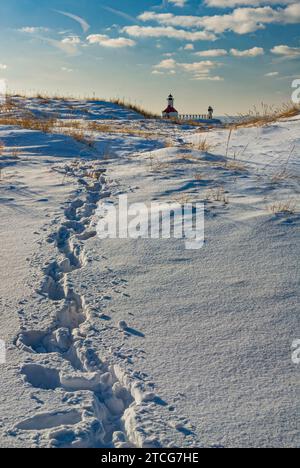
(210, 113)
(170, 112)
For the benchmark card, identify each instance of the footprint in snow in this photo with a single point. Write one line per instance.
(130, 331)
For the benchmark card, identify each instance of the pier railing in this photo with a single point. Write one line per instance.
(193, 117)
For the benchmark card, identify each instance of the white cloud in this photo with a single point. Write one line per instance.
(199, 70)
(66, 46)
(272, 74)
(208, 78)
(3, 66)
(168, 19)
(240, 20)
(254, 52)
(235, 3)
(75, 40)
(286, 51)
(83, 23)
(178, 3)
(189, 47)
(212, 53)
(120, 13)
(106, 41)
(168, 64)
(198, 67)
(169, 32)
(33, 29)
(67, 70)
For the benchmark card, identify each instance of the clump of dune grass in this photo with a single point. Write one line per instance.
(15, 153)
(29, 123)
(7, 106)
(217, 194)
(80, 136)
(111, 128)
(100, 127)
(234, 165)
(203, 145)
(281, 176)
(7, 156)
(183, 198)
(114, 128)
(283, 207)
(201, 127)
(265, 114)
(283, 173)
(45, 97)
(49, 125)
(70, 124)
(134, 108)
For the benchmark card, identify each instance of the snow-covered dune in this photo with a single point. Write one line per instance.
(140, 342)
(75, 109)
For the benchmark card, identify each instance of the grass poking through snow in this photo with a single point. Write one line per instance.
(283, 207)
(266, 114)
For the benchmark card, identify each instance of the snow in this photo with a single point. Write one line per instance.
(74, 108)
(140, 342)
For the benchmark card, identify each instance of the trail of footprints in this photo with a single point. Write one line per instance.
(104, 405)
(100, 420)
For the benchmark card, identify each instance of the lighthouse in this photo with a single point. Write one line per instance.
(210, 113)
(170, 112)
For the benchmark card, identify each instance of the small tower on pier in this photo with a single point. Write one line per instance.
(210, 113)
(170, 112)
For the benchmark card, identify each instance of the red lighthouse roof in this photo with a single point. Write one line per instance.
(170, 110)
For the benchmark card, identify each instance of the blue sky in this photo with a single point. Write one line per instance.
(231, 54)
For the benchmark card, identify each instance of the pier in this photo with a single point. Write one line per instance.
(194, 117)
